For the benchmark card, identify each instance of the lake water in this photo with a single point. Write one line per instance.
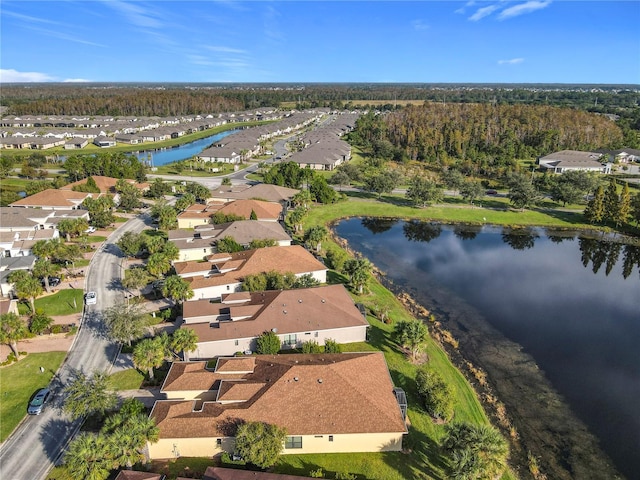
(181, 152)
(572, 303)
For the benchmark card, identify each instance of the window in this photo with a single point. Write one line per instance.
(236, 342)
(290, 340)
(218, 441)
(315, 334)
(331, 438)
(293, 442)
(228, 287)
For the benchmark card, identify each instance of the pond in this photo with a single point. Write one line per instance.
(572, 303)
(180, 152)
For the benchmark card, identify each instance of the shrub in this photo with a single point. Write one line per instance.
(436, 394)
(331, 346)
(268, 344)
(316, 473)
(345, 476)
(311, 347)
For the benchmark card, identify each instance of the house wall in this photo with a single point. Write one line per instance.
(216, 292)
(206, 350)
(192, 222)
(195, 253)
(342, 443)
(208, 396)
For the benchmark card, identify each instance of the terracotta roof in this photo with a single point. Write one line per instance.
(288, 311)
(262, 191)
(105, 184)
(293, 258)
(244, 231)
(306, 394)
(218, 473)
(243, 208)
(53, 198)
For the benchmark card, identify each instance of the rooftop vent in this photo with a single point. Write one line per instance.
(295, 379)
(274, 330)
(300, 301)
(319, 380)
(323, 300)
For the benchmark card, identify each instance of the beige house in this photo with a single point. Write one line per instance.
(224, 272)
(52, 199)
(201, 242)
(198, 215)
(263, 191)
(296, 316)
(567, 160)
(328, 403)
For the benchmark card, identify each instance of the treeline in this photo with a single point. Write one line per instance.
(50, 100)
(496, 134)
(108, 164)
(182, 99)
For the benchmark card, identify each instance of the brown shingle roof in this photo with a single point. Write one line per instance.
(105, 184)
(294, 259)
(306, 394)
(263, 191)
(289, 311)
(53, 198)
(243, 208)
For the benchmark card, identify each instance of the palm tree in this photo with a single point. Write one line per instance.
(26, 286)
(158, 264)
(358, 270)
(87, 459)
(44, 268)
(184, 340)
(475, 451)
(411, 334)
(177, 289)
(315, 236)
(12, 329)
(149, 354)
(302, 199)
(126, 442)
(295, 218)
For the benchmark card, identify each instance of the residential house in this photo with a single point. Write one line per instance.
(8, 306)
(198, 214)
(26, 219)
(265, 211)
(104, 142)
(107, 185)
(261, 191)
(224, 272)
(201, 242)
(296, 316)
(76, 143)
(8, 265)
(566, 160)
(20, 243)
(52, 199)
(327, 403)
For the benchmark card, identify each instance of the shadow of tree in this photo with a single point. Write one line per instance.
(55, 433)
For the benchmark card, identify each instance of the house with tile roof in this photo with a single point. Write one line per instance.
(198, 214)
(27, 219)
(224, 272)
(296, 316)
(107, 184)
(327, 403)
(567, 160)
(261, 191)
(200, 242)
(53, 199)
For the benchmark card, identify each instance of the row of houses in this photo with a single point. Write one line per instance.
(37, 132)
(323, 147)
(599, 162)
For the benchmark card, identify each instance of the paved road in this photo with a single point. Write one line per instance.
(38, 443)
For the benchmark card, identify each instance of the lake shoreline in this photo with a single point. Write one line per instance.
(515, 393)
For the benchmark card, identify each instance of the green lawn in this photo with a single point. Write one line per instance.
(130, 379)
(19, 382)
(62, 302)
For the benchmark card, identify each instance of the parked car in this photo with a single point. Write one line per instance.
(53, 281)
(38, 402)
(90, 298)
(90, 230)
(491, 192)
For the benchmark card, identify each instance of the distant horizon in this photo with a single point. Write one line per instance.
(282, 42)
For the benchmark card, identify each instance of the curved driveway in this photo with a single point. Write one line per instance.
(39, 441)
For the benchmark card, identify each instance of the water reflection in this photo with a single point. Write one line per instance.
(573, 305)
(378, 225)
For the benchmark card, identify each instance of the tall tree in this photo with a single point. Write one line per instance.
(475, 451)
(148, 354)
(27, 287)
(358, 270)
(471, 190)
(135, 278)
(522, 192)
(72, 227)
(130, 243)
(624, 206)
(87, 457)
(594, 213)
(411, 334)
(423, 192)
(315, 235)
(177, 289)
(611, 202)
(436, 394)
(635, 208)
(12, 330)
(158, 264)
(88, 395)
(260, 443)
(100, 210)
(44, 269)
(185, 201)
(184, 340)
(124, 322)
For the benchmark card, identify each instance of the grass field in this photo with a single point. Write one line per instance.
(19, 382)
(130, 379)
(60, 303)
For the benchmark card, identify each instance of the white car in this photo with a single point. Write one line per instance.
(90, 298)
(90, 230)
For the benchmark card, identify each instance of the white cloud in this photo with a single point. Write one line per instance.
(419, 25)
(11, 76)
(76, 80)
(29, 18)
(483, 12)
(136, 14)
(513, 61)
(225, 49)
(523, 8)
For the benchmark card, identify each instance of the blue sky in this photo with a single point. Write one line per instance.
(506, 41)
